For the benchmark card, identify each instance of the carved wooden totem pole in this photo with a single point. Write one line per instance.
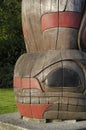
(50, 79)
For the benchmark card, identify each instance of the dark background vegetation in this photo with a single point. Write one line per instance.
(11, 40)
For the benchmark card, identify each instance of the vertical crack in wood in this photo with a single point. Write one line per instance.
(66, 5)
(57, 27)
(33, 34)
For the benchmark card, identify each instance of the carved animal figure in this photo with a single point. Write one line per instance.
(50, 79)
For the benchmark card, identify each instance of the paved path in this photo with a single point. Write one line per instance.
(14, 119)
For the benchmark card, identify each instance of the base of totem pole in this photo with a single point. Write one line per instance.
(13, 121)
(34, 120)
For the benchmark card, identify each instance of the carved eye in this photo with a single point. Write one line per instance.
(63, 77)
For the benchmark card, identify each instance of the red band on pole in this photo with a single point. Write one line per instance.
(62, 19)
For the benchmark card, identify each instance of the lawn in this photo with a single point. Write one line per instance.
(7, 101)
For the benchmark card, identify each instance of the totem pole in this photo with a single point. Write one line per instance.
(50, 79)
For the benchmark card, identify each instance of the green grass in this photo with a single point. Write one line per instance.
(7, 101)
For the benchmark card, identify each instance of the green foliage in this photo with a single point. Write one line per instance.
(11, 39)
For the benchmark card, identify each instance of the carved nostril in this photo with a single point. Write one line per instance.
(63, 77)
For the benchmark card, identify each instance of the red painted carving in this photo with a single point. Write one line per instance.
(23, 83)
(32, 111)
(62, 19)
(17, 82)
(25, 109)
